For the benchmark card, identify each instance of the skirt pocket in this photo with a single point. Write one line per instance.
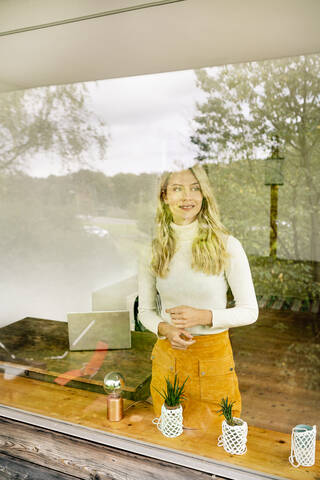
(163, 366)
(218, 380)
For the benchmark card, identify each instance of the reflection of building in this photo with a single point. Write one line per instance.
(92, 41)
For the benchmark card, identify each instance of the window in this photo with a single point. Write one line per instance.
(79, 171)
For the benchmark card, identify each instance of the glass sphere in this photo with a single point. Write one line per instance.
(113, 382)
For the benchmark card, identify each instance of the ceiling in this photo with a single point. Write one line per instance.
(50, 42)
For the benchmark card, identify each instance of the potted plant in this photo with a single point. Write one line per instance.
(170, 422)
(234, 430)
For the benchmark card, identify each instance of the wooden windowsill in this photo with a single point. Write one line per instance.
(82, 414)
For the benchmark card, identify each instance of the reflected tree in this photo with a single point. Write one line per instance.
(45, 251)
(246, 106)
(53, 119)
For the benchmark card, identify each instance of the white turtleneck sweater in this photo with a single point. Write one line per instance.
(185, 286)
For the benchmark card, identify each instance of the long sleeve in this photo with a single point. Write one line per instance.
(239, 277)
(148, 294)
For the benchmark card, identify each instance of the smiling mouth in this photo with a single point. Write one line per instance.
(187, 207)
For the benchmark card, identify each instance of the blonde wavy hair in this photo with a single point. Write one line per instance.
(209, 253)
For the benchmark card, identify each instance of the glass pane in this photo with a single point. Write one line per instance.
(80, 171)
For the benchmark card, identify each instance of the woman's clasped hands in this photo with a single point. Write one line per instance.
(187, 317)
(183, 317)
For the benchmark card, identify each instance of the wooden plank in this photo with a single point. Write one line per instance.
(263, 301)
(66, 456)
(268, 450)
(296, 305)
(14, 468)
(265, 408)
(40, 349)
(277, 362)
(277, 305)
(315, 306)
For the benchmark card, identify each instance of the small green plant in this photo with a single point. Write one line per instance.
(174, 393)
(226, 411)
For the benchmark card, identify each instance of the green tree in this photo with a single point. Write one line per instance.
(53, 119)
(246, 106)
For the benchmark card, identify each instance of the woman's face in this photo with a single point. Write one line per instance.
(183, 197)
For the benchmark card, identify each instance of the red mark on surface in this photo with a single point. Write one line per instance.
(91, 368)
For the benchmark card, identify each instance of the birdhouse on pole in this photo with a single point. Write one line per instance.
(274, 165)
(274, 178)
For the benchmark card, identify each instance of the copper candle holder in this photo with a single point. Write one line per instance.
(113, 383)
(114, 407)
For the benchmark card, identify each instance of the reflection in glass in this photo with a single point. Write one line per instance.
(77, 189)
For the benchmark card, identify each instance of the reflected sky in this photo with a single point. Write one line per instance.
(148, 122)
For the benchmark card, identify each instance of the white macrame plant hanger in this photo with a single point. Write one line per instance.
(234, 438)
(303, 446)
(170, 422)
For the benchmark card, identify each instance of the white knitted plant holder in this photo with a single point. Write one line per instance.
(303, 446)
(170, 421)
(234, 438)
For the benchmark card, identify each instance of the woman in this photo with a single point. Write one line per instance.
(190, 262)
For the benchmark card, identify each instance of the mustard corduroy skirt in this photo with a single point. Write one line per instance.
(209, 364)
